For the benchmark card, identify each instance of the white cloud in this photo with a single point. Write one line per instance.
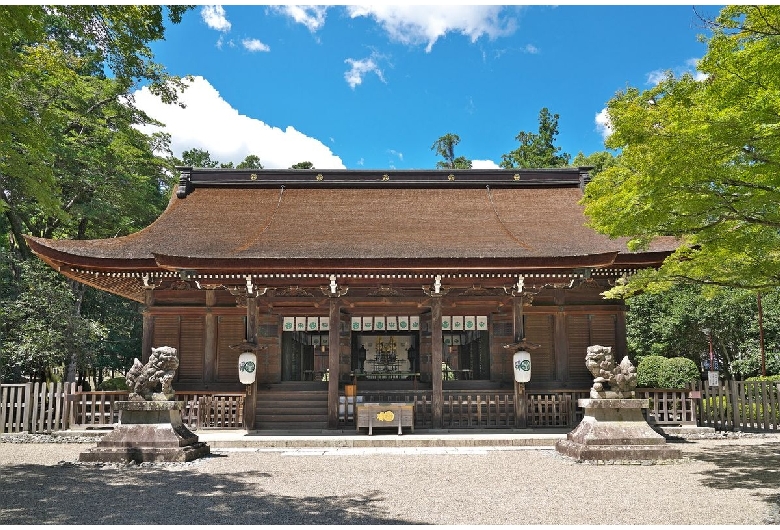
(656, 76)
(603, 124)
(210, 123)
(530, 48)
(254, 45)
(359, 68)
(484, 164)
(214, 17)
(397, 154)
(313, 17)
(413, 24)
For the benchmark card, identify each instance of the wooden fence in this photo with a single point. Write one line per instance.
(41, 408)
(669, 406)
(734, 405)
(739, 405)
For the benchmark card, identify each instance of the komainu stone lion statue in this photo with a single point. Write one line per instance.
(144, 380)
(621, 378)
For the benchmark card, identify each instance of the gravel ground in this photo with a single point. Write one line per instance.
(720, 480)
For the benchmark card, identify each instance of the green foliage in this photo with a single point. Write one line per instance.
(197, 158)
(699, 161)
(39, 328)
(671, 324)
(73, 164)
(716, 406)
(648, 372)
(769, 378)
(72, 160)
(537, 150)
(302, 165)
(445, 147)
(113, 384)
(599, 161)
(250, 162)
(677, 372)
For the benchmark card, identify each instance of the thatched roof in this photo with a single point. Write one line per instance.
(340, 221)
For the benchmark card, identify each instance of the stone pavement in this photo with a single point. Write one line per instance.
(388, 438)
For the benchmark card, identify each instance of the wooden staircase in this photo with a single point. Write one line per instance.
(292, 406)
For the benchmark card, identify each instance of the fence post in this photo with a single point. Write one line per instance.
(521, 418)
(28, 398)
(735, 402)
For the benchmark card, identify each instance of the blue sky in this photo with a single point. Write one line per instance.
(373, 87)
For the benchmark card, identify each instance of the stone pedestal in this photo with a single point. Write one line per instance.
(148, 431)
(615, 430)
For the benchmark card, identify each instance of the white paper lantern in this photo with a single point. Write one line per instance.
(247, 367)
(521, 361)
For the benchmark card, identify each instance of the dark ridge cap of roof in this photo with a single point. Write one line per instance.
(191, 178)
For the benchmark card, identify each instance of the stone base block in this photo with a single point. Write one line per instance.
(148, 432)
(615, 430)
(617, 453)
(145, 454)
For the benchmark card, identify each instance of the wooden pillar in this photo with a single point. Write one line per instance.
(210, 348)
(561, 353)
(621, 341)
(518, 329)
(251, 319)
(437, 399)
(334, 354)
(148, 332)
(210, 340)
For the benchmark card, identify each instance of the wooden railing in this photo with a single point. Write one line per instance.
(201, 409)
(463, 409)
(41, 407)
(669, 406)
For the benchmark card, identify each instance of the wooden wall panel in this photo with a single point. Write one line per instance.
(603, 333)
(539, 330)
(578, 334)
(191, 348)
(166, 332)
(500, 360)
(269, 360)
(230, 331)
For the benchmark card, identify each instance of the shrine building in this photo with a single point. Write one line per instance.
(388, 285)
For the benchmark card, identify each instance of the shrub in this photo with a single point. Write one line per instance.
(648, 371)
(677, 372)
(117, 383)
(770, 378)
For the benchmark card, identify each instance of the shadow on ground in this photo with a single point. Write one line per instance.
(752, 467)
(81, 494)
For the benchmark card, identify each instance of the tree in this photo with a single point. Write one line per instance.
(201, 158)
(64, 121)
(302, 165)
(699, 162)
(599, 161)
(537, 150)
(197, 158)
(445, 147)
(672, 323)
(73, 164)
(250, 162)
